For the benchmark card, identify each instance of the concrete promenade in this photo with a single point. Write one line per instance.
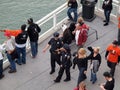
(35, 74)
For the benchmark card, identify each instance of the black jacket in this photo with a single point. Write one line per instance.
(21, 38)
(33, 32)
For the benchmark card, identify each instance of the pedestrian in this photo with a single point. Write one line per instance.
(55, 43)
(81, 33)
(10, 51)
(112, 54)
(67, 37)
(66, 63)
(82, 86)
(95, 58)
(33, 33)
(81, 61)
(110, 82)
(107, 7)
(1, 62)
(119, 29)
(72, 4)
(20, 43)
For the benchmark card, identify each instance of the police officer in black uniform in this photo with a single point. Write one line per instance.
(55, 44)
(65, 63)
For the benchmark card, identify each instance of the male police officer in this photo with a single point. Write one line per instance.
(55, 44)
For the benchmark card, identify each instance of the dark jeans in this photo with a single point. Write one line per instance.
(74, 10)
(54, 58)
(1, 67)
(12, 62)
(112, 66)
(34, 48)
(81, 76)
(61, 71)
(119, 36)
(21, 55)
(107, 15)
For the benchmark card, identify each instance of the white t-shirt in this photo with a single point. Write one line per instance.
(10, 45)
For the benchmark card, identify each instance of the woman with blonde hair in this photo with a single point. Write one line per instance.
(81, 32)
(95, 58)
(81, 61)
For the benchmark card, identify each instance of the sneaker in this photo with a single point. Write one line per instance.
(52, 72)
(66, 80)
(12, 71)
(1, 76)
(76, 88)
(105, 24)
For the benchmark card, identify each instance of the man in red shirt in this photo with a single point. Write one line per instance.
(112, 56)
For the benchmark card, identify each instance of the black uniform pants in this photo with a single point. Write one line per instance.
(112, 67)
(54, 58)
(61, 71)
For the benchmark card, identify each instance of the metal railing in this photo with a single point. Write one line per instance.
(54, 16)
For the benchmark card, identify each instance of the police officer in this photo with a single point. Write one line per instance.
(55, 43)
(65, 63)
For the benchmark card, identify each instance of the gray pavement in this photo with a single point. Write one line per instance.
(35, 74)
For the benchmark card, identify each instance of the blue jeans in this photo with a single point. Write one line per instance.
(12, 62)
(81, 76)
(93, 77)
(74, 10)
(1, 67)
(34, 48)
(107, 15)
(21, 55)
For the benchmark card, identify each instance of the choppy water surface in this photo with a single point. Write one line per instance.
(14, 13)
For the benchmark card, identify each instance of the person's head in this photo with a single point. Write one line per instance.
(23, 27)
(30, 21)
(115, 43)
(96, 49)
(56, 35)
(7, 34)
(82, 86)
(82, 52)
(72, 27)
(107, 75)
(80, 20)
(65, 48)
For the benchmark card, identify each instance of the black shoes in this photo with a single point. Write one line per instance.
(52, 72)
(66, 80)
(12, 71)
(56, 81)
(1, 76)
(105, 24)
(104, 20)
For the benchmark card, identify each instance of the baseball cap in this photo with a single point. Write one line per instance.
(56, 34)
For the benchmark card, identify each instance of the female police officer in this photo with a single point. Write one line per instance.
(65, 63)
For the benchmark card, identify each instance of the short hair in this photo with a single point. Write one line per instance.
(30, 20)
(107, 74)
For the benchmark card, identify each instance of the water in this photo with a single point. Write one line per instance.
(14, 13)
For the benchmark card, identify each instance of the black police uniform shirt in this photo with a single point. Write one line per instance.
(66, 59)
(55, 44)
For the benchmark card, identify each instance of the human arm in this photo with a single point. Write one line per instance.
(46, 47)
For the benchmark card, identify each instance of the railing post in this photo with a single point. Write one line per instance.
(54, 20)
